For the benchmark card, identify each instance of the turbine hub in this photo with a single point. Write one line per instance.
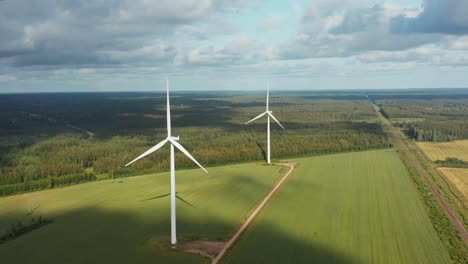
(174, 138)
(269, 112)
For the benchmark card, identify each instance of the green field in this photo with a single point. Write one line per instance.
(345, 208)
(125, 221)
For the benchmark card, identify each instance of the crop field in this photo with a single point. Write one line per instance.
(441, 151)
(344, 208)
(459, 178)
(128, 221)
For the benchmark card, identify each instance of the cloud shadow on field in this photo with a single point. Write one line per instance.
(92, 235)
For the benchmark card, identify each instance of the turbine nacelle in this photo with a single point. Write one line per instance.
(173, 141)
(268, 113)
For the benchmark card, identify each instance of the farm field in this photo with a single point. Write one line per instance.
(459, 178)
(345, 208)
(441, 151)
(128, 221)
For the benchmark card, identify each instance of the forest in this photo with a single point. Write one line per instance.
(49, 140)
(431, 117)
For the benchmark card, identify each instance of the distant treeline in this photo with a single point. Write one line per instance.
(64, 159)
(435, 120)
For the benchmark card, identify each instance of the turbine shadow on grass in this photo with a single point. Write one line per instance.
(165, 195)
(261, 149)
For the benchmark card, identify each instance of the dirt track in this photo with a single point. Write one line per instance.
(247, 222)
(398, 139)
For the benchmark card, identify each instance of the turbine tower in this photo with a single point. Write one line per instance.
(269, 114)
(173, 141)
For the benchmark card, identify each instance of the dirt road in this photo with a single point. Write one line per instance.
(397, 136)
(242, 228)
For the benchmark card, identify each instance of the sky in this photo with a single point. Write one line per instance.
(134, 45)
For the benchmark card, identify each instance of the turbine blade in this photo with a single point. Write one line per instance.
(168, 110)
(268, 96)
(276, 120)
(181, 148)
(149, 151)
(257, 117)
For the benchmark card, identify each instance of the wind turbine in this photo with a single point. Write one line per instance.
(173, 142)
(269, 114)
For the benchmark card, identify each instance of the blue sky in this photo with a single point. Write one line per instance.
(123, 45)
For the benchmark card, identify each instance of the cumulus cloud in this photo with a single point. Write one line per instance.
(417, 54)
(336, 29)
(240, 50)
(459, 43)
(141, 39)
(271, 22)
(438, 16)
(340, 28)
(53, 32)
(427, 56)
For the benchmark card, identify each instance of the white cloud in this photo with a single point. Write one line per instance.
(241, 49)
(437, 16)
(459, 43)
(63, 41)
(7, 78)
(86, 71)
(272, 21)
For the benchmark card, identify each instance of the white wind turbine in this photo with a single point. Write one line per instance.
(269, 114)
(173, 142)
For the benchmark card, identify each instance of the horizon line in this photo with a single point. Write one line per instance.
(240, 90)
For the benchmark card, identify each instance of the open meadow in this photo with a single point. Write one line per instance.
(344, 208)
(443, 150)
(128, 221)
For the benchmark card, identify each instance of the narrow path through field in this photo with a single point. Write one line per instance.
(399, 140)
(247, 222)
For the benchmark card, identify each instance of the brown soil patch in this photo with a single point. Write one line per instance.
(205, 248)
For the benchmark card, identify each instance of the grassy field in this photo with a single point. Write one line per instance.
(125, 221)
(344, 208)
(459, 178)
(440, 151)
